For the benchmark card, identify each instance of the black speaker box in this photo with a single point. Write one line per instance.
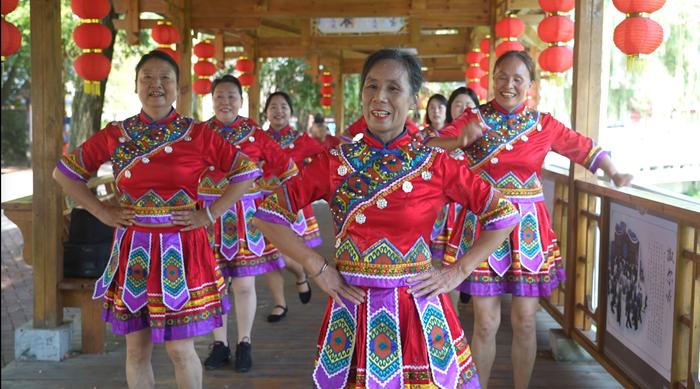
(89, 245)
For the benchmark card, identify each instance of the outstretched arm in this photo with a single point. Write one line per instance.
(619, 179)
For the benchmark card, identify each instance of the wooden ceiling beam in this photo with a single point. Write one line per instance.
(318, 8)
(454, 62)
(444, 75)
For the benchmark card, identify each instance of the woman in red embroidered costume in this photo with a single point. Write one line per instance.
(508, 142)
(162, 283)
(301, 147)
(241, 251)
(389, 323)
(319, 131)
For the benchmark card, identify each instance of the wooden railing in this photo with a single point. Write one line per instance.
(586, 289)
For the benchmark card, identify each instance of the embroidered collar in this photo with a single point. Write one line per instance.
(143, 116)
(240, 129)
(285, 136)
(373, 141)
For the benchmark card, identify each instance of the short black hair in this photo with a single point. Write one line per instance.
(522, 56)
(227, 79)
(284, 95)
(462, 90)
(409, 61)
(158, 54)
(440, 99)
(318, 119)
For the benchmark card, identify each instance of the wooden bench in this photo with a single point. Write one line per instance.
(74, 292)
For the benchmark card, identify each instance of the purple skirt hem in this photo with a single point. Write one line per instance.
(313, 242)
(250, 271)
(160, 335)
(514, 288)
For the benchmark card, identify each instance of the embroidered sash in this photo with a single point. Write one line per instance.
(466, 241)
(384, 360)
(501, 259)
(439, 224)
(229, 233)
(107, 277)
(255, 239)
(299, 225)
(441, 352)
(135, 294)
(530, 243)
(333, 365)
(173, 282)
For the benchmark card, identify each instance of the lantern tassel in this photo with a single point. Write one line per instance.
(91, 87)
(635, 64)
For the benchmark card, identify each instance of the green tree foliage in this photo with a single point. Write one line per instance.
(288, 75)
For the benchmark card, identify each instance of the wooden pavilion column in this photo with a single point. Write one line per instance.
(254, 90)
(339, 101)
(47, 123)
(585, 112)
(183, 21)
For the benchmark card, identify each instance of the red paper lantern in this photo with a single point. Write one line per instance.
(326, 78)
(204, 68)
(246, 79)
(485, 45)
(326, 101)
(326, 90)
(245, 65)
(638, 35)
(11, 39)
(506, 46)
(202, 86)
(92, 36)
(476, 87)
(473, 57)
(164, 33)
(90, 9)
(474, 72)
(484, 64)
(172, 53)
(556, 28)
(556, 59)
(554, 6)
(8, 6)
(484, 81)
(510, 27)
(638, 6)
(93, 66)
(204, 49)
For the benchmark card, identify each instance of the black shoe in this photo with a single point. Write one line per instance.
(272, 318)
(243, 358)
(464, 298)
(305, 297)
(219, 356)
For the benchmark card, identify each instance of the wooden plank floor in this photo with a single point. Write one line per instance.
(283, 353)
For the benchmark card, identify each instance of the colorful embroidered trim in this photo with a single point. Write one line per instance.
(335, 357)
(145, 139)
(254, 238)
(229, 233)
(372, 173)
(384, 360)
(499, 213)
(531, 255)
(241, 129)
(173, 282)
(516, 190)
(382, 264)
(502, 129)
(107, 277)
(73, 167)
(438, 339)
(134, 294)
(284, 137)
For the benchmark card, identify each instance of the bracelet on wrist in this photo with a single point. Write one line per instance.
(323, 268)
(211, 217)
